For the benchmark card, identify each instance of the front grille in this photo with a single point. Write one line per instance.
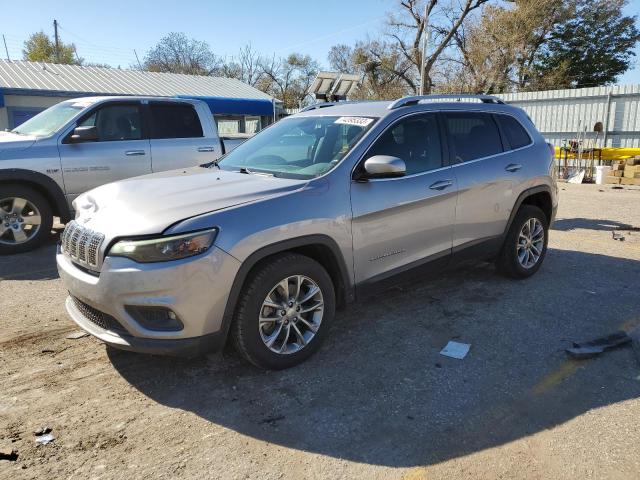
(81, 244)
(95, 316)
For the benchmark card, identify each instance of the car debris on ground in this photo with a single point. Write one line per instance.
(455, 350)
(591, 348)
(44, 435)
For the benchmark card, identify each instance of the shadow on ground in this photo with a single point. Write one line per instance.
(566, 224)
(39, 264)
(378, 392)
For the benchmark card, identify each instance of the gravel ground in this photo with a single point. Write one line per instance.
(377, 402)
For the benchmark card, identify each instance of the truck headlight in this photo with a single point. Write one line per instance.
(163, 249)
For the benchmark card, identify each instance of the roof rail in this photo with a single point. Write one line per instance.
(414, 100)
(319, 105)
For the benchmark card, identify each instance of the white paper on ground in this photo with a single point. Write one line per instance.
(456, 350)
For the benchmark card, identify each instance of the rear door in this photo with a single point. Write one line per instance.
(178, 137)
(399, 223)
(485, 173)
(121, 151)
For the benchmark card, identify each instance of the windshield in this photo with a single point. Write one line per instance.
(50, 121)
(298, 147)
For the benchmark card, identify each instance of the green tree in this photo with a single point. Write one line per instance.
(40, 48)
(595, 44)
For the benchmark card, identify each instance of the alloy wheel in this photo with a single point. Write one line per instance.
(291, 314)
(530, 243)
(20, 220)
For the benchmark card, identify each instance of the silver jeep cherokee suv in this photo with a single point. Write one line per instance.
(266, 243)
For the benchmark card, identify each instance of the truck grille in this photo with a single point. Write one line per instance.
(81, 244)
(95, 316)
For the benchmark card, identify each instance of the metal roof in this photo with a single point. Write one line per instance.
(50, 77)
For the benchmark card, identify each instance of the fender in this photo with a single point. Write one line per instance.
(526, 193)
(348, 291)
(46, 185)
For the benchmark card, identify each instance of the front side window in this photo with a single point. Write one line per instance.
(170, 120)
(50, 120)
(472, 135)
(516, 135)
(116, 122)
(415, 140)
(298, 147)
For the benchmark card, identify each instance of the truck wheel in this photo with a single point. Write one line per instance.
(284, 312)
(526, 244)
(25, 219)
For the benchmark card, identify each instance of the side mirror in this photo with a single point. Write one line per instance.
(384, 166)
(84, 134)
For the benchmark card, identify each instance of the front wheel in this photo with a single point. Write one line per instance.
(284, 312)
(25, 219)
(525, 247)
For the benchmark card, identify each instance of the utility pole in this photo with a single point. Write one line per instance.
(425, 41)
(138, 60)
(55, 34)
(5, 46)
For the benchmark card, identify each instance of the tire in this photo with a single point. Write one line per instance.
(250, 335)
(27, 235)
(508, 262)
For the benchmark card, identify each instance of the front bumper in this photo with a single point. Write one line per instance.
(196, 289)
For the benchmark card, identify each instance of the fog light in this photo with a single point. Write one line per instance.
(160, 319)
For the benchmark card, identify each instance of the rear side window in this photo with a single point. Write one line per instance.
(472, 135)
(516, 135)
(178, 120)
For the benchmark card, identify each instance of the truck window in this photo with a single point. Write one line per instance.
(116, 122)
(174, 120)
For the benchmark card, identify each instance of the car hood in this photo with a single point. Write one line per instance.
(13, 141)
(151, 203)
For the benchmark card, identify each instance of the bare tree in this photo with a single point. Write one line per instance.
(246, 66)
(406, 31)
(288, 79)
(176, 53)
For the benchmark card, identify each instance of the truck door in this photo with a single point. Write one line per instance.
(121, 150)
(178, 137)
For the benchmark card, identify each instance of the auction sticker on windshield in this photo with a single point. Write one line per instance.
(360, 121)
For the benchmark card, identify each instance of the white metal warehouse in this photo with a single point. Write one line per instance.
(27, 88)
(561, 114)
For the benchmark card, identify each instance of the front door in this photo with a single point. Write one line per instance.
(402, 222)
(121, 150)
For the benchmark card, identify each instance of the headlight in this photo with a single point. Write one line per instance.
(163, 249)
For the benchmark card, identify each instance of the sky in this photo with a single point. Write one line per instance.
(110, 35)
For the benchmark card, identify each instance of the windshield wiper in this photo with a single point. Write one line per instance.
(245, 170)
(213, 163)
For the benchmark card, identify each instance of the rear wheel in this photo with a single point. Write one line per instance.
(25, 219)
(284, 312)
(526, 244)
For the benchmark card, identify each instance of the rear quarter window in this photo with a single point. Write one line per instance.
(516, 134)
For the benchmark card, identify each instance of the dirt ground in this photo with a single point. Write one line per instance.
(377, 402)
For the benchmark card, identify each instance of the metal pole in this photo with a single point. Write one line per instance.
(55, 34)
(136, 54)
(606, 121)
(425, 41)
(5, 46)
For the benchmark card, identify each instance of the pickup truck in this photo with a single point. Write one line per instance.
(80, 144)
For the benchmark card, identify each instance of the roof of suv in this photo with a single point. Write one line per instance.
(384, 107)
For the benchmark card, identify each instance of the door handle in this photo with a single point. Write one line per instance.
(513, 167)
(206, 149)
(441, 184)
(133, 153)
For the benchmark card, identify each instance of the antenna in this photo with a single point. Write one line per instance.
(5, 47)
